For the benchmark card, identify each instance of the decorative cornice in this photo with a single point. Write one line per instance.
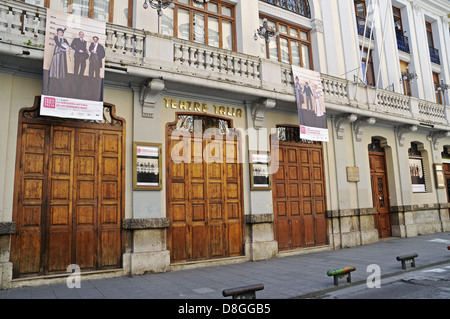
(402, 130)
(148, 99)
(436, 136)
(359, 125)
(259, 109)
(341, 120)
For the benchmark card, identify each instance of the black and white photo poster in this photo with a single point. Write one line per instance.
(73, 68)
(310, 104)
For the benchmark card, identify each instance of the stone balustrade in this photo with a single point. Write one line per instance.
(22, 28)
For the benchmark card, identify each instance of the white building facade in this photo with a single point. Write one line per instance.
(198, 84)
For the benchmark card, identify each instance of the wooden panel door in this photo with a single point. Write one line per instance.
(69, 186)
(59, 209)
(27, 242)
(110, 199)
(380, 193)
(299, 196)
(204, 198)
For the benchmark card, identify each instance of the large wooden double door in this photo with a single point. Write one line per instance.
(68, 197)
(204, 195)
(298, 190)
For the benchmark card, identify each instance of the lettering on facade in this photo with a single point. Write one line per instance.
(195, 106)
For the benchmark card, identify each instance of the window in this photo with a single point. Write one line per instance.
(367, 67)
(434, 53)
(293, 46)
(439, 97)
(360, 10)
(210, 23)
(300, 7)
(402, 40)
(96, 9)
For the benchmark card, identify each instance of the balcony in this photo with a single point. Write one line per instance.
(402, 42)
(131, 58)
(434, 55)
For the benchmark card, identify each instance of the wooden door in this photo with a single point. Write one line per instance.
(68, 197)
(446, 169)
(299, 196)
(380, 193)
(204, 197)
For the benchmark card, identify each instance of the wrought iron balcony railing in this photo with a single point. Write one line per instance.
(434, 55)
(402, 43)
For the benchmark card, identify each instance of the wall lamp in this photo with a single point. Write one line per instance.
(265, 32)
(159, 5)
(408, 76)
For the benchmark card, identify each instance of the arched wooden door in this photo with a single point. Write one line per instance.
(204, 189)
(298, 190)
(69, 188)
(380, 192)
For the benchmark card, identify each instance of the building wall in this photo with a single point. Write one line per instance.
(335, 48)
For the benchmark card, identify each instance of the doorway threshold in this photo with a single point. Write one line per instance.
(207, 263)
(62, 277)
(303, 250)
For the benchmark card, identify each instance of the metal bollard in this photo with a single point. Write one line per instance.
(245, 292)
(340, 273)
(408, 259)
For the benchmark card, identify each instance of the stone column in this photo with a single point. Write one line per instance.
(148, 249)
(261, 243)
(6, 267)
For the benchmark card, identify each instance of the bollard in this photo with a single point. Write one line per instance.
(408, 259)
(340, 273)
(246, 292)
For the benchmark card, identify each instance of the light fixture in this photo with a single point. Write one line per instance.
(443, 87)
(408, 76)
(265, 32)
(159, 5)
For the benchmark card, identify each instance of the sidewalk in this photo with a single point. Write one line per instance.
(285, 277)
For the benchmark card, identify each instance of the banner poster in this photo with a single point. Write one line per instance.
(73, 68)
(310, 104)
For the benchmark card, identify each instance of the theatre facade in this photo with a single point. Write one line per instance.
(197, 157)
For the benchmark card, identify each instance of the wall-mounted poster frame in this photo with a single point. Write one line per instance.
(259, 170)
(147, 164)
(417, 174)
(440, 178)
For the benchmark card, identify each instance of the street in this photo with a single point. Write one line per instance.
(426, 283)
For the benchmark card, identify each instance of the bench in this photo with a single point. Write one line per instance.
(245, 292)
(408, 259)
(340, 273)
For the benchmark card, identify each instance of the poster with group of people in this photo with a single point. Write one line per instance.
(310, 104)
(73, 69)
